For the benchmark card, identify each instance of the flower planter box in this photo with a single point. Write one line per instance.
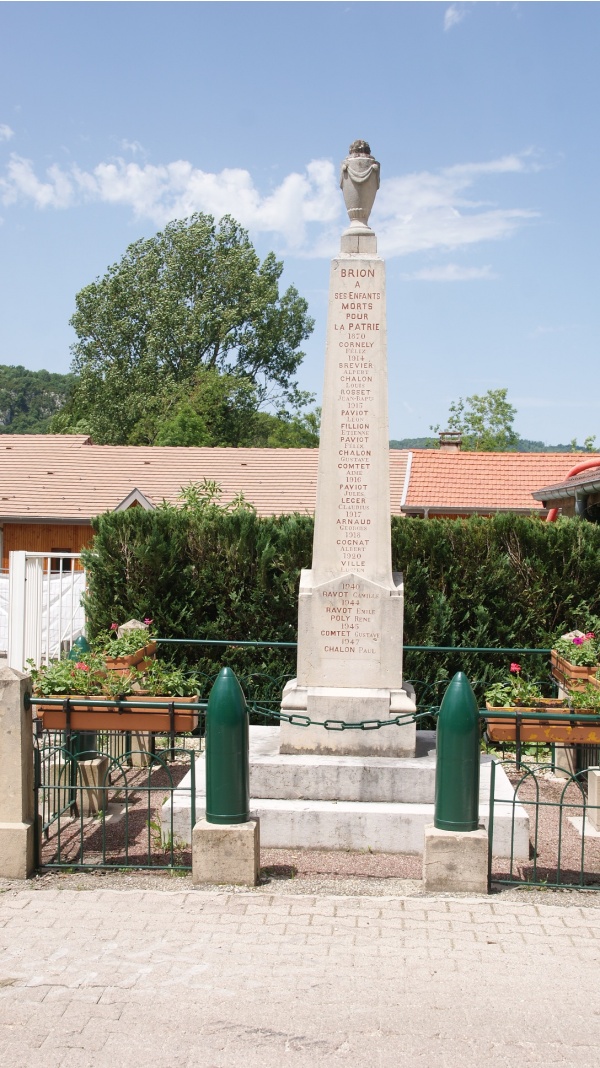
(542, 730)
(121, 665)
(571, 676)
(148, 718)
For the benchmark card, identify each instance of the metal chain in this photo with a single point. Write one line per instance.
(297, 720)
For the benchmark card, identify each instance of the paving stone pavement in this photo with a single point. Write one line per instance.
(212, 980)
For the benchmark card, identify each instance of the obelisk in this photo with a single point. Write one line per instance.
(351, 604)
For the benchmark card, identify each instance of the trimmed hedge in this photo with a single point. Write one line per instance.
(506, 581)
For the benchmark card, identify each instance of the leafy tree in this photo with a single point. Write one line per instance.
(485, 422)
(210, 409)
(293, 432)
(589, 444)
(194, 298)
(219, 410)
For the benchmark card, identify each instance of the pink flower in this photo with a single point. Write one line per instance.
(515, 668)
(81, 666)
(578, 641)
(148, 622)
(114, 626)
(590, 634)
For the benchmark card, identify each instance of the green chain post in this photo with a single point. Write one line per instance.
(84, 742)
(457, 767)
(227, 759)
(79, 647)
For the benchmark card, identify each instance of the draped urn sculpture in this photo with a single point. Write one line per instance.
(359, 182)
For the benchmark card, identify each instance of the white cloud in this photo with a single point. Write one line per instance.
(542, 331)
(5, 132)
(453, 14)
(451, 272)
(413, 213)
(430, 210)
(132, 146)
(21, 183)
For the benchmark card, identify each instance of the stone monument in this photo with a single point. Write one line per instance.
(351, 604)
(314, 788)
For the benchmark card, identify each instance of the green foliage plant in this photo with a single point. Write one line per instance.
(581, 650)
(58, 677)
(582, 654)
(514, 690)
(162, 679)
(108, 644)
(88, 678)
(588, 698)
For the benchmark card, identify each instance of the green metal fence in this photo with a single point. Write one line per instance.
(103, 807)
(564, 845)
(117, 820)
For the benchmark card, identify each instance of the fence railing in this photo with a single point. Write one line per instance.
(44, 608)
(127, 829)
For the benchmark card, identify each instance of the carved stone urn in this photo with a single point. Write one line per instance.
(359, 182)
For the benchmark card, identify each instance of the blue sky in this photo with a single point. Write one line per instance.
(116, 117)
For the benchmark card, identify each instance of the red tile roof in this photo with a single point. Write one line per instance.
(455, 482)
(61, 477)
(564, 488)
(48, 477)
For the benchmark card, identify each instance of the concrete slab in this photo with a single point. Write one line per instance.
(583, 827)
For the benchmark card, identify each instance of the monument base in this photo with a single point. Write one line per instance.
(351, 704)
(381, 804)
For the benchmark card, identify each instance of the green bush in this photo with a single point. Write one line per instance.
(508, 581)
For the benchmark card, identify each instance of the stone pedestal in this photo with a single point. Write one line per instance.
(141, 755)
(455, 861)
(17, 815)
(321, 801)
(226, 854)
(593, 799)
(350, 704)
(92, 778)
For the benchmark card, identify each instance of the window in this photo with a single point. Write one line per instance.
(61, 563)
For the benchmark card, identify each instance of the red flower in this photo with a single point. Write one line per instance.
(114, 626)
(81, 666)
(515, 668)
(148, 622)
(590, 634)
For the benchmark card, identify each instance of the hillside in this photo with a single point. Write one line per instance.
(524, 445)
(29, 399)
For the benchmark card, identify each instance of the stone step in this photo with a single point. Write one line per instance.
(394, 780)
(393, 827)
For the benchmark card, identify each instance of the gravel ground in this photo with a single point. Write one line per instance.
(304, 883)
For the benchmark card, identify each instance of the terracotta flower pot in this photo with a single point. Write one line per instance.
(122, 664)
(571, 676)
(540, 730)
(148, 718)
